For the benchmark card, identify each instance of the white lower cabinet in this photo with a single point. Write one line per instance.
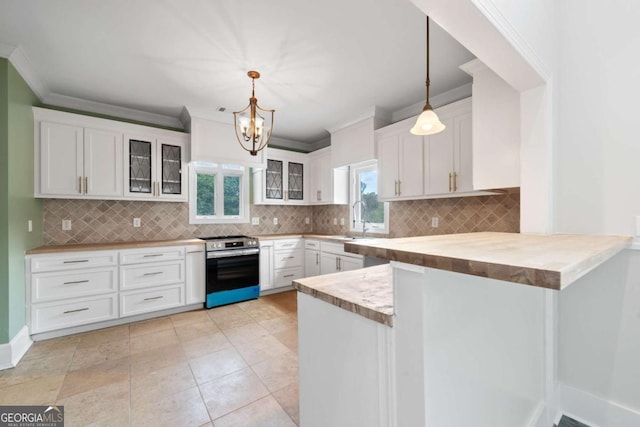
(281, 262)
(311, 258)
(79, 288)
(266, 265)
(334, 259)
(152, 299)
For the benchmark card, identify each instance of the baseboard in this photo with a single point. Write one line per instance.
(12, 352)
(594, 410)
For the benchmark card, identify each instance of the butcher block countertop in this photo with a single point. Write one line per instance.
(111, 246)
(366, 291)
(549, 261)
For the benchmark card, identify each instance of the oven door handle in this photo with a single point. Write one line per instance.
(232, 253)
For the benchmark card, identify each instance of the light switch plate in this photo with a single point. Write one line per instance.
(335, 221)
(307, 220)
(275, 221)
(30, 226)
(341, 221)
(435, 222)
(136, 222)
(66, 225)
(255, 220)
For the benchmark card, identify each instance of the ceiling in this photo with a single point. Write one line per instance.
(322, 62)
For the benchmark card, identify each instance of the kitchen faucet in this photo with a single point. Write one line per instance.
(363, 218)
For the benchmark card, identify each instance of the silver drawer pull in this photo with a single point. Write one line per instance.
(152, 274)
(195, 252)
(151, 255)
(288, 275)
(76, 282)
(75, 311)
(153, 298)
(75, 261)
(289, 257)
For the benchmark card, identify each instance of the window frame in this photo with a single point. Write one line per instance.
(219, 171)
(354, 196)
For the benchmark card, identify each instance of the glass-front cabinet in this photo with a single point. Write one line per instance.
(282, 181)
(154, 168)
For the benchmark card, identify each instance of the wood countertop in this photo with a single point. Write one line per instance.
(366, 291)
(328, 237)
(111, 246)
(549, 261)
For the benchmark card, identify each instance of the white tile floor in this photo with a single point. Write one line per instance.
(230, 366)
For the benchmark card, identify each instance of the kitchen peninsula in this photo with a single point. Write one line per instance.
(473, 333)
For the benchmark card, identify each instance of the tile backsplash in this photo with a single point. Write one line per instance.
(97, 221)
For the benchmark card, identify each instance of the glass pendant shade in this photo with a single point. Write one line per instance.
(428, 123)
(253, 125)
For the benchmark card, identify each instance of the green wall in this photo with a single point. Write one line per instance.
(17, 204)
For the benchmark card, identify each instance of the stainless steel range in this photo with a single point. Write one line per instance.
(233, 269)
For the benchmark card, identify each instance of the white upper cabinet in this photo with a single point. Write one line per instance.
(400, 162)
(81, 157)
(496, 129)
(354, 142)
(154, 168)
(327, 185)
(79, 162)
(283, 181)
(448, 155)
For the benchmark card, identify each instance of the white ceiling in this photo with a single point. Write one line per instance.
(322, 62)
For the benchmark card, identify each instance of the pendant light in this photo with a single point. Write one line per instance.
(428, 122)
(253, 125)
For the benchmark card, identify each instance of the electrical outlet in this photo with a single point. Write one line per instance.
(435, 221)
(275, 221)
(341, 221)
(30, 226)
(335, 221)
(255, 220)
(307, 220)
(66, 225)
(136, 222)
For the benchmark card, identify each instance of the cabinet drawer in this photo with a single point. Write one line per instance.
(73, 284)
(311, 244)
(148, 275)
(137, 302)
(287, 259)
(137, 256)
(285, 276)
(288, 244)
(80, 311)
(73, 260)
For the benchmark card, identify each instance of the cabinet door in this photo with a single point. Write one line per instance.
(61, 160)
(325, 178)
(388, 163)
(171, 163)
(295, 181)
(463, 155)
(328, 263)
(266, 267)
(410, 165)
(274, 180)
(311, 263)
(195, 275)
(139, 167)
(102, 163)
(348, 263)
(439, 158)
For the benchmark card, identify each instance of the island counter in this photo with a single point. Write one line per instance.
(466, 346)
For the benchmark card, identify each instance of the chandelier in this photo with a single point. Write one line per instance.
(253, 124)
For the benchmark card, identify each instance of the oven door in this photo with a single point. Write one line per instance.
(233, 269)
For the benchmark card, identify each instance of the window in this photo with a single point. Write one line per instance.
(218, 193)
(364, 199)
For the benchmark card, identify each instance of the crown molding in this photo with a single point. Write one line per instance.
(445, 98)
(21, 63)
(111, 110)
(6, 50)
(369, 113)
(205, 113)
(473, 66)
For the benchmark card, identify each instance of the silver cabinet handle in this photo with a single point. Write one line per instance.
(455, 181)
(399, 188)
(80, 184)
(153, 298)
(288, 275)
(449, 182)
(155, 273)
(151, 255)
(76, 311)
(86, 185)
(75, 261)
(77, 282)
(288, 257)
(195, 252)
(317, 258)
(158, 189)
(337, 267)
